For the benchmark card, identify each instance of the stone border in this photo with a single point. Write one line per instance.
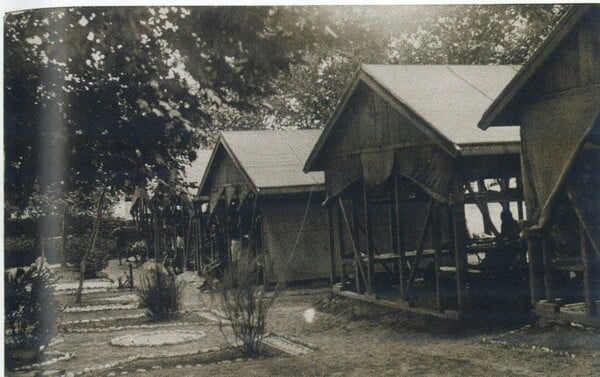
(103, 319)
(98, 308)
(121, 328)
(54, 360)
(167, 340)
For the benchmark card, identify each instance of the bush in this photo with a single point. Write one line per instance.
(96, 262)
(160, 293)
(245, 306)
(19, 251)
(30, 311)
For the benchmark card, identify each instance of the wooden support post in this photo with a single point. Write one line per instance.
(589, 290)
(460, 256)
(369, 239)
(392, 229)
(342, 249)
(547, 263)
(400, 238)
(436, 238)
(332, 277)
(130, 274)
(358, 258)
(536, 274)
(420, 245)
(355, 235)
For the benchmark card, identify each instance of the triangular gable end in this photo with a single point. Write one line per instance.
(370, 118)
(223, 170)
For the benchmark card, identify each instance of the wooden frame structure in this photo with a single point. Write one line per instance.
(555, 98)
(397, 182)
(262, 205)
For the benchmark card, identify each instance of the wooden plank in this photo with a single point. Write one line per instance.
(332, 277)
(341, 243)
(392, 229)
(357, 256)
(369, 239)
(547, 263)
(588, 288)
(399, 238)
(460, 257)
(588, 291)
(436, 238)
(536, 274)
(420, 245)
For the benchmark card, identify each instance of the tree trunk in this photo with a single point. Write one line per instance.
(92, 245)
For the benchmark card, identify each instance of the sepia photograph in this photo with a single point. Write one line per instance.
(301, 190)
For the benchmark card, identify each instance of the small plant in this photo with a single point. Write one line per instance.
(160, 293)
(245, 306)
(30, 312)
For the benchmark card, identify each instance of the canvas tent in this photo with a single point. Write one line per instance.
(262, 203)
(555, 98)
(401, 156)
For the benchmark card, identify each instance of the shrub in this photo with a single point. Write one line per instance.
(30, 310)
(245, 306)
(160, 293)
(96, 262)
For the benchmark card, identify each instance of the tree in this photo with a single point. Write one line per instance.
(476, 34)
(120, 96)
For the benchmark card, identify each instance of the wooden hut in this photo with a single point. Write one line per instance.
(402, 155)
(555, 98)
(262, 203)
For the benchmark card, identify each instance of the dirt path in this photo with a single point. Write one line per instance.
(351, 339)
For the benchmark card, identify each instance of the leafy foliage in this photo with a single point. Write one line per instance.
(245, 306)
(30, 308)
(18, 251)
(160, 293)
(476, 34)
(76, 247)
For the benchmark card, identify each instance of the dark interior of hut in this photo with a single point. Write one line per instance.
(406, 241)
(233, 232)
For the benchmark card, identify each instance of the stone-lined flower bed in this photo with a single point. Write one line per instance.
(84, 330)
(158, 338)
(97, 308)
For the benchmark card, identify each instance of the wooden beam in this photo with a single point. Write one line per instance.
(357, 256)
(588, 288)
(584, 225)
(420, 245)
(399, 238)
(536, 272)
(508, 195)
(342, 250)
(369, 239)
(436, 238)
(460, 257)
(332, 277)
(547, 263)
(392, 231)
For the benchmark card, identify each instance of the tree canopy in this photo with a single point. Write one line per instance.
(118, 96)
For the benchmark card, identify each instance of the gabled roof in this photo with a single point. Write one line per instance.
(558, 34)
(272, 160)
(444, 101)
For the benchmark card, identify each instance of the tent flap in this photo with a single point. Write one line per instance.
(552, 134)
(377, 167)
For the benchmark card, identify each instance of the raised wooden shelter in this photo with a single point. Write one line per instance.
(261, 202)
(555, 98)
(402, 156)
